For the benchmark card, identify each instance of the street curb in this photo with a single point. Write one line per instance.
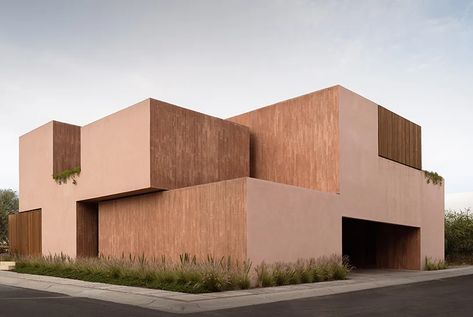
(183, 303)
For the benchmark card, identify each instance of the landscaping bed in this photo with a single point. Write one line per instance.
(188, 275)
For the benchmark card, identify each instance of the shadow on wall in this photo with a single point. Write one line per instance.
(378, 245)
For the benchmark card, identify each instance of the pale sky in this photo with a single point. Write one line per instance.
(459, 202)
(76, 61)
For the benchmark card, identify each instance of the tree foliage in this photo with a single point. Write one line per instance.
(459, 233)
(8, 204)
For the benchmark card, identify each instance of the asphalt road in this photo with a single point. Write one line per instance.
(452, 297)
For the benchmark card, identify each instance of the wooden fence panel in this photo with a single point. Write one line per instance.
(24, 232)
(399, 139)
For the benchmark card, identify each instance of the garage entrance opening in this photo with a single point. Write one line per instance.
(371, 244)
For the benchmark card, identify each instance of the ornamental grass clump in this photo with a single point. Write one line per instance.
(435, 265)
(303, 271)
(187, 275)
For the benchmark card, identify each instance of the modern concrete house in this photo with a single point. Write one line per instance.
(326, 173)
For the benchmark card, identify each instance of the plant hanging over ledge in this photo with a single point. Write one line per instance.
(65, 175)
(434, 178)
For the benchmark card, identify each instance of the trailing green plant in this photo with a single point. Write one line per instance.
(433, 177)
(64, 176)
(435, 265)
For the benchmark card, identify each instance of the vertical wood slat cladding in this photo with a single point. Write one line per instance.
(24, 232)
(201, 220)
(87, 229)
(398, 247)
(296, 141)
(399, 139)
(189, 148)
(66, 146)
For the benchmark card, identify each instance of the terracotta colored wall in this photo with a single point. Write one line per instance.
(38, 190)
(36, 168)
(189, 148)
(296, 142)
(199, 220)
(115, 158)
(375, 188)
(371, 188)
(286, 223)
(116, 153)
(282, 222)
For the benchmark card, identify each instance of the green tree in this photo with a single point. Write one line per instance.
(459, 234)
(8, 205)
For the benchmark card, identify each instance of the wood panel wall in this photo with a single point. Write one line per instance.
(399, 139)
(66, 147)
(189, 148)
(296, 141)
(200, 220)
(24, 232)
(87, 229)
(398, 247)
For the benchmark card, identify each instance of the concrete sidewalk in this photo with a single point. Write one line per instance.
(189, 303)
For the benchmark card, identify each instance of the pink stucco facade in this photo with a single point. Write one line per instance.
(276, 221)
(39, 191)
(287, 222)
(115, 153)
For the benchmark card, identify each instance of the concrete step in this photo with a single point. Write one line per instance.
(7, 265)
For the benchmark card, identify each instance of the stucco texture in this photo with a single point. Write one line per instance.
(287, 222)
(247, 218)
(115, 159)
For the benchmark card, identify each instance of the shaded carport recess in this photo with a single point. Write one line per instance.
(372, 244)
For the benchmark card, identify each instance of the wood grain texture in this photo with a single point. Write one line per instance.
(66, 147)
(24, 232)
(296, 141)
(87, 229)
(398, 247)
(370, 244)
(189, 148)
(200, 220)
(399, 139)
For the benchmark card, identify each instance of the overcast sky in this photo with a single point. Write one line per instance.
(76, 61)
